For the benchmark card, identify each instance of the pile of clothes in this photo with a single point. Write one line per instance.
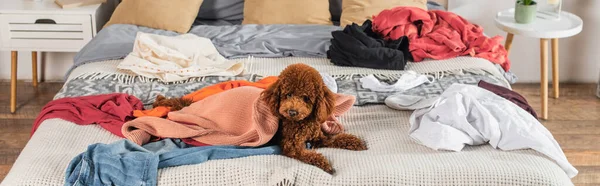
(485, 114)
(360, 46)
(207, 121)
(472, 115)
(224, 120)
(408, 33)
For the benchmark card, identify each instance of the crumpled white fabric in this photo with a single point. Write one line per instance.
(403, 101)
(469, 115)
(176, 58)
(329, 82)
(408, 80)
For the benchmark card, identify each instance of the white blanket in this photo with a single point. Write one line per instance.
(393, 158)
(177, 58)
(469, 115)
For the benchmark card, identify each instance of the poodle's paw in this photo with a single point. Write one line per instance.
(320, 161)
(349, 142)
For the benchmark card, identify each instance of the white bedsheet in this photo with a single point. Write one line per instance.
(393, 158)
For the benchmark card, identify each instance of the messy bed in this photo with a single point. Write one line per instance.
(426, 121)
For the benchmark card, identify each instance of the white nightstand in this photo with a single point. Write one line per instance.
(42, 26)
(569, 25)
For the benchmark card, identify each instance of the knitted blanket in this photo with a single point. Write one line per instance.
(393, 158)
(147, 90)
(273, 66)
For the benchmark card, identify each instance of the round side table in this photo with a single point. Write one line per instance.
(546, 29)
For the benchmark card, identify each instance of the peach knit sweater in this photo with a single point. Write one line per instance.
(234, 117)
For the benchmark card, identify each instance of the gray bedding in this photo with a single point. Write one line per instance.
(232, 41)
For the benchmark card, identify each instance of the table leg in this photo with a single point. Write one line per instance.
(43, 66)
(13, 81)
(34, 71)
(508, 42)
(544, 76)
(555, 80)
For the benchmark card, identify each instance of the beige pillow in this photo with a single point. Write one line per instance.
(173, 15)
(287, 12)
(358, 11)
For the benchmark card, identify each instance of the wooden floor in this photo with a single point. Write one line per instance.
(574, 121)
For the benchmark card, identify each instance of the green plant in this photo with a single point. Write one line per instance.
(527, 2)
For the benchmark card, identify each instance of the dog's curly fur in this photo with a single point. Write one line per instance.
(302, 102)
(174, 103)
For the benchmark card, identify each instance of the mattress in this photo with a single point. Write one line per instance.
(393, 158)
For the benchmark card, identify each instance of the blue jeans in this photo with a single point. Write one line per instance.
(126, 163)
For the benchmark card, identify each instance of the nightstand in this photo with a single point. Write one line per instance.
(546, 29)
(42, 26)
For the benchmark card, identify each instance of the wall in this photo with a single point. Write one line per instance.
(579, 55)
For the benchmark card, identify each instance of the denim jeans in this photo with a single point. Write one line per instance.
(126, 163)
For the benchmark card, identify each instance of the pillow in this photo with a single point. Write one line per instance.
(173, 15)
(286, 12)
(358, 11)
(335, 7)
(221, 10)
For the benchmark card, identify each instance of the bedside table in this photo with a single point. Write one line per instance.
(545, 29)
(42, 26)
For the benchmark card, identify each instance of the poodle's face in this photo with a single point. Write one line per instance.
(296, 101)
(300, 94)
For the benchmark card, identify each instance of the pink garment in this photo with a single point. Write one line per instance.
(438, 34)
(234, 117)
(109, 111)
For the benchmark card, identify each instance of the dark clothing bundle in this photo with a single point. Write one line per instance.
(508, 94)
(359, 46)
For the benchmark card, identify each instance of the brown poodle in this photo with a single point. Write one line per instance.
(302, 102)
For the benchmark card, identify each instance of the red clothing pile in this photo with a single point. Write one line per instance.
(439, 34)
(109, 111)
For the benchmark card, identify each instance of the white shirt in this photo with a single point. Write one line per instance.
(469, 115)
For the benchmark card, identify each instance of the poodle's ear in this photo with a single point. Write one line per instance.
(324, 105)
(272, 97)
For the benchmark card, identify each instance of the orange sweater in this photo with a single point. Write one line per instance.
(198, 95)
(234, 117)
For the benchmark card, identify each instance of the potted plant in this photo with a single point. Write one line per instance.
(525, 11)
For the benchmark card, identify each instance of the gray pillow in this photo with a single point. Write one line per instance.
(221, 10)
